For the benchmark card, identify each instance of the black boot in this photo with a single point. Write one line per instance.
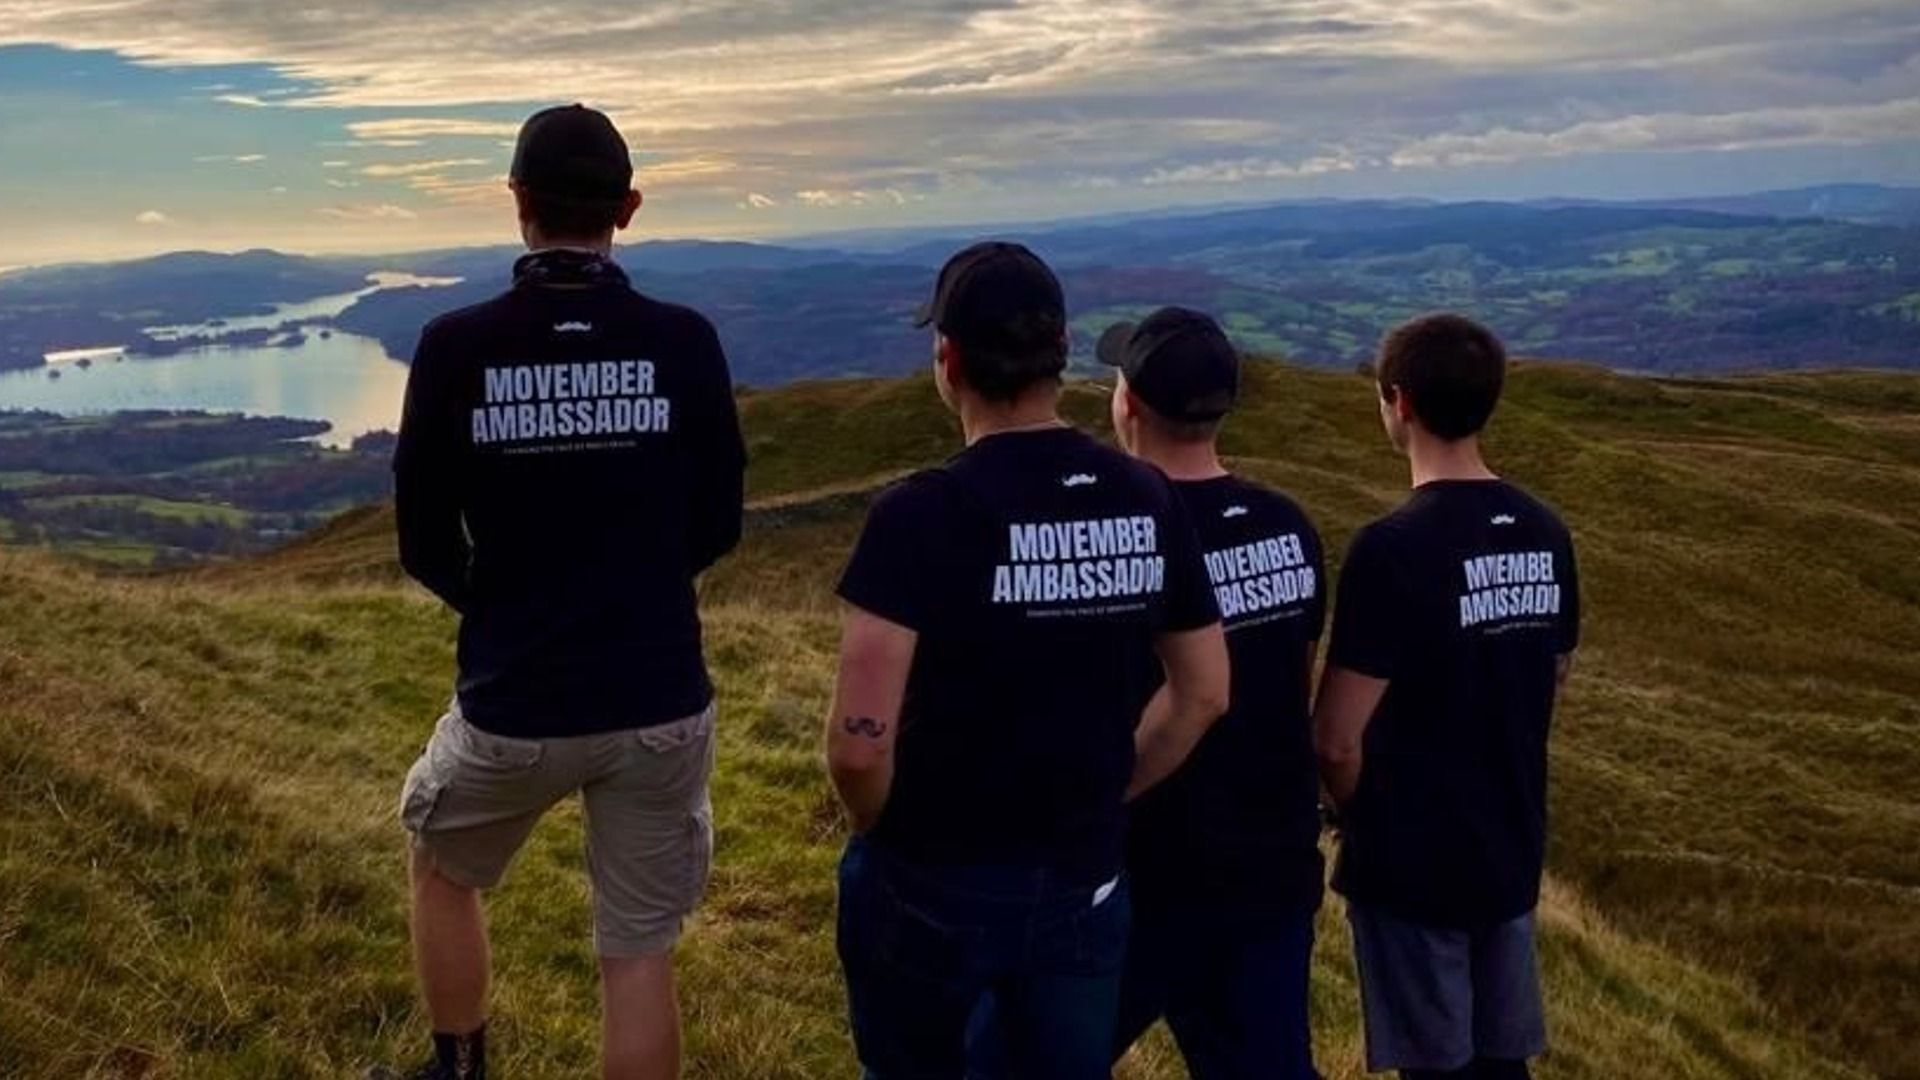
(455, 1057)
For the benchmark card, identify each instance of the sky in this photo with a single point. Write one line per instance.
(135, 126)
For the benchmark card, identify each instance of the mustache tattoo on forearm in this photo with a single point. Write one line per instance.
(865, 726)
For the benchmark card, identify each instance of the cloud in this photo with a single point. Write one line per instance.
(151, 217)
(830, 99)
(856, 197)
(1247, 169)
(700, 168)
(819, 197)
(757, 201)
(416, 168)
(465, 191)
(421, 126)
(237, 159)
(336, 164)
(368, 212)
(1672, 132)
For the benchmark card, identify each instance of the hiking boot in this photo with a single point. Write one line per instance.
(455, 1057)
(432, 1070)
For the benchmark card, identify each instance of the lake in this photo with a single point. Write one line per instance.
(344, 379)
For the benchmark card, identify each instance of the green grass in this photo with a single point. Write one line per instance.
(111, 552)
(24, 480)
(162, 508)
(200, 874)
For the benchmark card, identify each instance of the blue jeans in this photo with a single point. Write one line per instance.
(1232, 987)
(922, 946)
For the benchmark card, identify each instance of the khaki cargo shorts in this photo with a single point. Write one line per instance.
(473, 798)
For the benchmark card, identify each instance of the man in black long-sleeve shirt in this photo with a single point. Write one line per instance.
(569, 460)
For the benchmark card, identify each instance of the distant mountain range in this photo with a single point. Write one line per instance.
(1861, 204)
(84, 305)
(1813, 277)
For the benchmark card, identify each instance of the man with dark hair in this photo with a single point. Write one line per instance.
(569, 460)
(1224, 857)
(1453, 633)
(995, 702)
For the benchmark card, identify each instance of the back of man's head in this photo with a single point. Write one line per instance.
(1005, 313)
(1180, 367)
(1450, 368)
(573, 174)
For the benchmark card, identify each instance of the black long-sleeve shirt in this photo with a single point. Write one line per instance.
(569, 460)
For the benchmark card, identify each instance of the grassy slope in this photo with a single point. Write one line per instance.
(199, 873)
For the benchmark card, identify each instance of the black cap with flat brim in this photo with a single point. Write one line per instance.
(995, 293)
(1178, 361)
(572, 152)
(1004, 307)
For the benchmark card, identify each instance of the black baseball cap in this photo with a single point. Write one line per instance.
(572, 152)
(1178, 361)
(997, 295)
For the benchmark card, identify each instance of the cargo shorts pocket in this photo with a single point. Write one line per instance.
(460, 754)
(428, 780)
(699, 863)
(692, 742)
(421, 792)
(493, 753)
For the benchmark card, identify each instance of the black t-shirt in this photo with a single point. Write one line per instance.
(1238, 826)
(1463, 599)
(1037, 568)
(569, 459)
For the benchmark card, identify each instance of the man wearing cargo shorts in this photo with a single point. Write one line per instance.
(569, 460)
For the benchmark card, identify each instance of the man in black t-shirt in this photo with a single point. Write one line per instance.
(1008, 615)
(1453, 632)
(569, 459)
(1224, 857)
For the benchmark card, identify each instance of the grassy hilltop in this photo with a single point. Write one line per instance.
(200, 870)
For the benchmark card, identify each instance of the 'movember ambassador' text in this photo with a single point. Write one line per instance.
(563, 401)
(1101, 559)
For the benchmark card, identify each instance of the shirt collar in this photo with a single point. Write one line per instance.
(567, 267)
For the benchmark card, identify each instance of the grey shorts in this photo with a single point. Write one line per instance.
(1436, 998)
(473, 797)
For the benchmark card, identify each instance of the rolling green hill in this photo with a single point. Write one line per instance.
(200, 874)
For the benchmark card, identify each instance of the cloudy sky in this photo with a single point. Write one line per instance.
(130, 126)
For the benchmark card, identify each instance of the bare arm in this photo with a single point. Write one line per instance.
(1194, 696)
(1340, 717)
(875, 657)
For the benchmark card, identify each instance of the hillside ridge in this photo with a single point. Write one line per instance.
(204, 764)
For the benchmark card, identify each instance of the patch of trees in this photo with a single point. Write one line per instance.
(147, 442)
(92, 522)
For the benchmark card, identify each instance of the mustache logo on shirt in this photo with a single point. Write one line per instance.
(1234, 512)
(1079, 480)
(573, 328)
